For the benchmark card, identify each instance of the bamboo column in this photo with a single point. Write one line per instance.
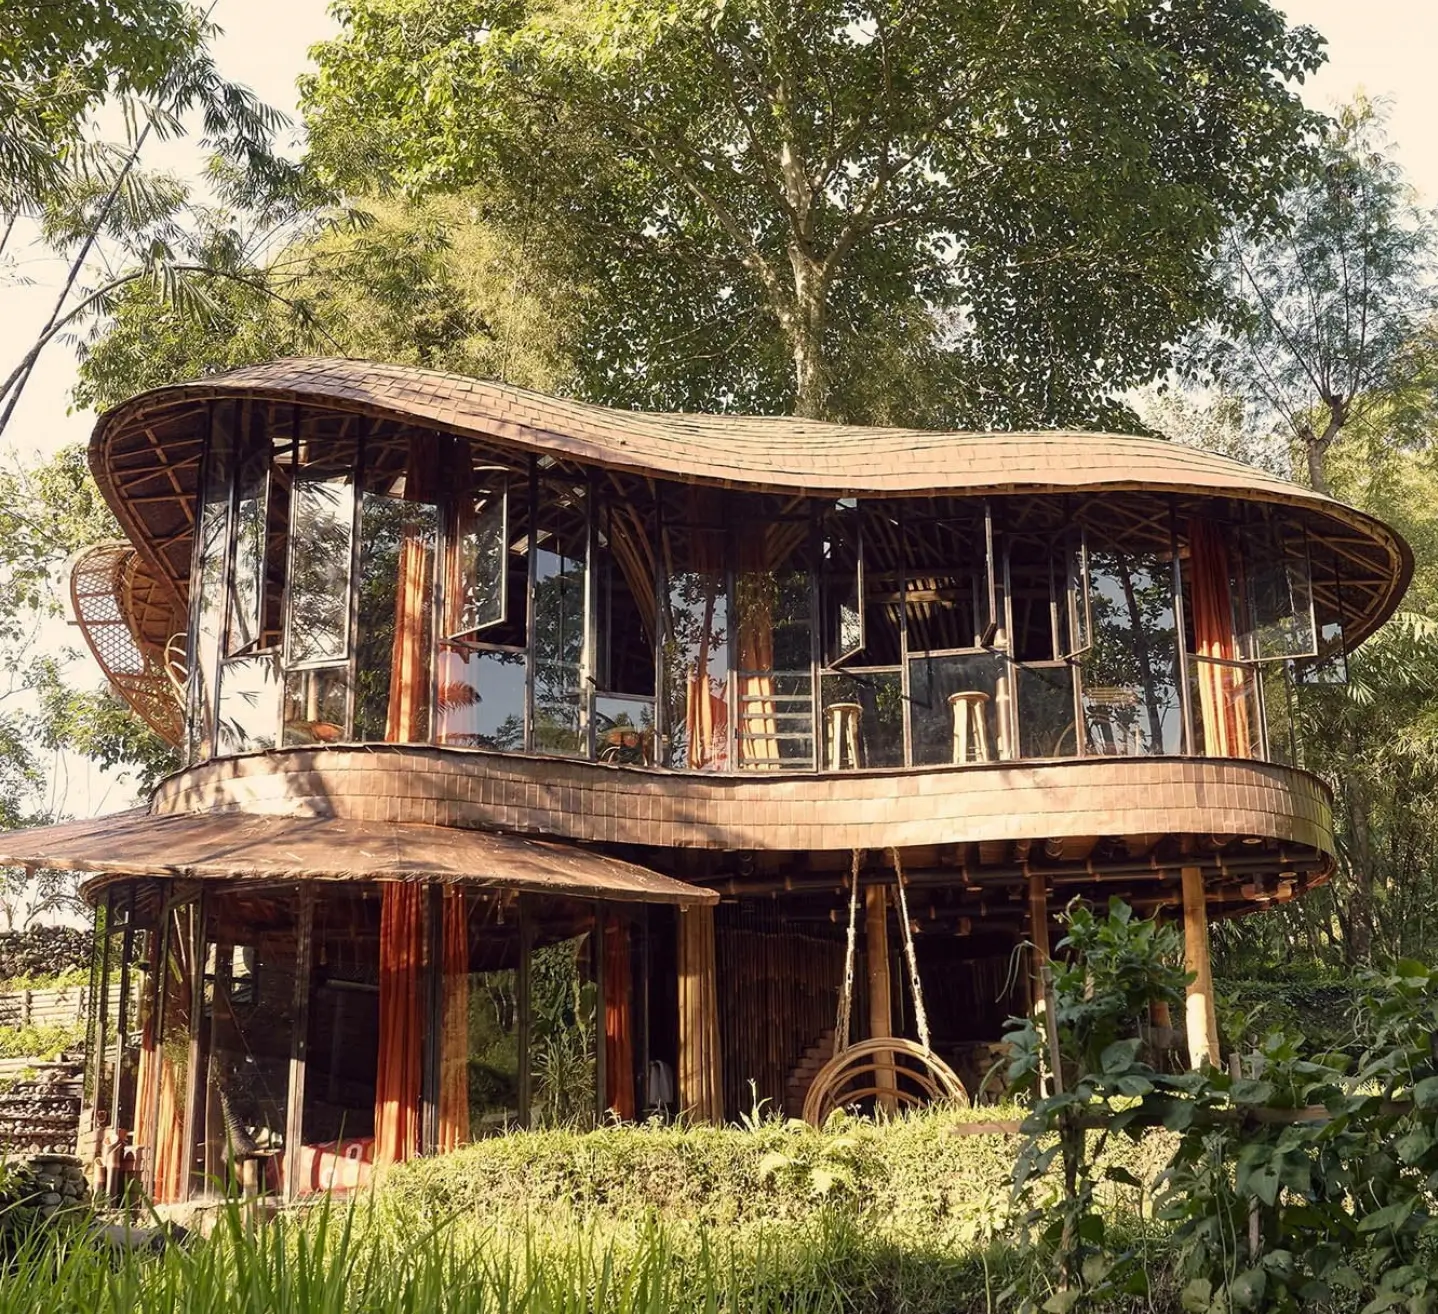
(881, 1024)
(1202, 1021)
(700, 1075)
(1038, 932)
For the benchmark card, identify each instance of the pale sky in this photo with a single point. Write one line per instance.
(1384, 47)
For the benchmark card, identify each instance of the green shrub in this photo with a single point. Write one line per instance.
(910, 1180)
(40, 1042)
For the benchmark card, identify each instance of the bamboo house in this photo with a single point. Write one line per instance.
(545, 763)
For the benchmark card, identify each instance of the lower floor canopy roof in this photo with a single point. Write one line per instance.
(246, 846)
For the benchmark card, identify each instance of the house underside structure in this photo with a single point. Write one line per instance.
(545, 762)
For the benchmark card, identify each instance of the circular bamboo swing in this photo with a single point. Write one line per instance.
(890, 1070)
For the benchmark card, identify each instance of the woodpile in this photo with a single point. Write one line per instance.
(40, 1113)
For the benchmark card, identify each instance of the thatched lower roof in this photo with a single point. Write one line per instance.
(246, 846)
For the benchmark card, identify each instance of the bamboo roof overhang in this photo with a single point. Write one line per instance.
(145, 456)
(257, 847)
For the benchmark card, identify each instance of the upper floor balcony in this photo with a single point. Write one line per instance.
(329, 553)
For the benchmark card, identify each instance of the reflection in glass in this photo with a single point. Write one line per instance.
(249, 705)
(842, 584)
(624, 730)
(563, 998)
(956, 706)
(315, 705)
(398, 540)
(493, 1063)
(1280, 728)
(696, 671)
(211, 546)
(1273, 594)
(1046, 711)
(879, 696)
(249, 989)
(247, 578)
(558, 611)
(321, 523)
(163, 1079)
(1130, 691)
(775, 687)
(481, 699)
(478, 565)
(1224, 696)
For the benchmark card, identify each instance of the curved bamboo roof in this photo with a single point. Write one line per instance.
(145, 457)
(249, 846)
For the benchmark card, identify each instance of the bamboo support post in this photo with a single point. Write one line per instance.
(700, 1080)
(1199, 1013)
(876, 942)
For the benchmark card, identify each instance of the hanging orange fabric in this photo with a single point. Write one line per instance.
(146, 1087)
(618, 1032)
(755, 595)
(161, 1084)
(409, 671)
(397, 1076)
(1224, 692)
(454, 1027)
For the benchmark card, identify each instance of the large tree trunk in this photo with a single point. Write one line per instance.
(804, 326)
(1316, 445)
(1360, 865)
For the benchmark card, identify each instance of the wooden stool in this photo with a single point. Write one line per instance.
(844, 734)
(971, 725)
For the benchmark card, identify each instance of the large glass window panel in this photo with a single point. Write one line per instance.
(493, 1006)
(842, 581)
(316, 705)
(249, 705)
(248, 1007)
(559, 608)
(625, 597)
(948, 589)
(212, 537)
(479, 566)
(1272, 592)
(164, 1079)
(956, 703)
(398, 541)
(321, 529)
(342, 1052)
(774, 688)
(1131, 699)
(1280, 728)
(1225, 701)
(1046, 710)
(563, 1001)
(247, 574)
(481, 699)
(696, 671)
(874, 701)
(624, 730)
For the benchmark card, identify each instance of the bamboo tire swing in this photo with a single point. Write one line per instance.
(893, 1071)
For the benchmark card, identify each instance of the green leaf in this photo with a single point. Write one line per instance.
(1062, 1301)
(1389, 1216)
(1119, 1056)
(1197, 1296)
(1246, 1290)
(1425, 1093)
(772, 1163)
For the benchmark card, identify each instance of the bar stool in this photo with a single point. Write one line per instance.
(844, 735)
(971, 725)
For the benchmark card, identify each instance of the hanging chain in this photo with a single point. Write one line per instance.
(921, 1017)
(846, 995)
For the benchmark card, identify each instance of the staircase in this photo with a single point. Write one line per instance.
(805, 1070)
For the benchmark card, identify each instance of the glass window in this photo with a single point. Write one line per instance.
(398, 540)
(1272, 593)
(211, 551)
(1045, 710)
(948, 588)
(164, 1077)
(625, 585)
(559, 608)
(248, 1004)
(251, 537)
(1224, 697)
(563, 999)
(342, 1051)
(1130, 692)
(481, 699)
(842, 583)
(957, 706)
(478, 584)
(863, 719)
(492, 1011)
(249, 705)
(316, 705)
(321, 526)
(624, 730)
(774, 685)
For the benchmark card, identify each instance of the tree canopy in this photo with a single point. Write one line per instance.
(1019, 203)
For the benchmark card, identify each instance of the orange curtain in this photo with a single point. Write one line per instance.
(618, 1031)
(454, 1026)
(409, 673)
(397, 1078)
(1224, 692)
(756, 596)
